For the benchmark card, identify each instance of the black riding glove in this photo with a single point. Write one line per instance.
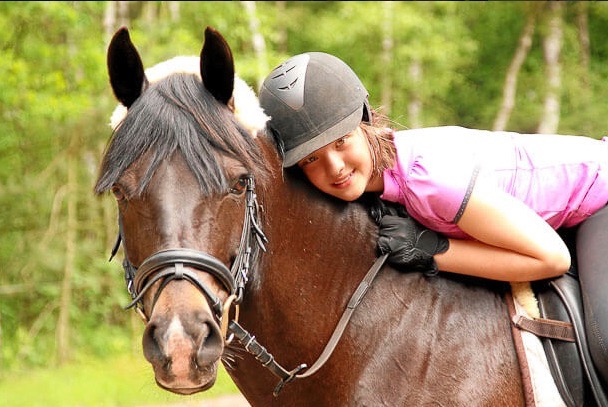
(411, 245)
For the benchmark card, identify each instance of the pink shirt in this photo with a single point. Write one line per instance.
(563, 178)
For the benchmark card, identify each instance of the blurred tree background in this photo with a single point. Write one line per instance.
(519, 66)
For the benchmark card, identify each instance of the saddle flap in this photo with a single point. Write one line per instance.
(571, 364)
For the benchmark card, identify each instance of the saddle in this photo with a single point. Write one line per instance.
(570, 362)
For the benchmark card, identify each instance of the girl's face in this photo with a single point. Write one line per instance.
(342, 168)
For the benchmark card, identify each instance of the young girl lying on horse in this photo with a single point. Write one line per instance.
(481, 203)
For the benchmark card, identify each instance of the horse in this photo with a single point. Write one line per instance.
(215, 231)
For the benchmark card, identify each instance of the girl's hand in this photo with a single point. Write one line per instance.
(411, 245)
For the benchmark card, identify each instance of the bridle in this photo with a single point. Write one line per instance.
(168, 265)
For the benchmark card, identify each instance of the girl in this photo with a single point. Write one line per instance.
(495, 198)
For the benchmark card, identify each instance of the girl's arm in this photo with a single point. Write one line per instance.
(512, 242)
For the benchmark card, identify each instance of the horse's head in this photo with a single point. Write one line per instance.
(181, 165)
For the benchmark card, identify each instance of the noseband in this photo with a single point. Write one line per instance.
(168, 265)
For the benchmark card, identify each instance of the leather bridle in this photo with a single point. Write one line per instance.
(168, 265)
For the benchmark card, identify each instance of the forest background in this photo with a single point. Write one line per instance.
(519, 66)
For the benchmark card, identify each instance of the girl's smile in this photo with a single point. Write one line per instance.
(344, 182)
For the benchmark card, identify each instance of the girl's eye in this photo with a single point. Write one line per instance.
(308, 160)
(239, 186)
(342, 140)
(118, 192)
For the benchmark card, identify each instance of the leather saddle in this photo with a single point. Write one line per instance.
(571, 364)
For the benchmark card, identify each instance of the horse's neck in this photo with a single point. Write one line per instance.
(318, 252)
(320, 225)
(302, 221)
(318, 248)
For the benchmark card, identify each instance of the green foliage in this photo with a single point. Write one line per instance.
(55, 104)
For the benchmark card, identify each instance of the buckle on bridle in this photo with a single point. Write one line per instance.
(226, 318)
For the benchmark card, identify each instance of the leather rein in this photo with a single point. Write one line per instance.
(168, 265)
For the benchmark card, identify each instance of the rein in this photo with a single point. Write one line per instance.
(252, 346)
(168, 265)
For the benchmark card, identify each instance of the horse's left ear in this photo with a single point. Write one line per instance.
(217, 66)
(125, 68)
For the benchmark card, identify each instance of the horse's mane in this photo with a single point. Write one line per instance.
(175, 113)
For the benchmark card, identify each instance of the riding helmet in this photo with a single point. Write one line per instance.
(312, 99)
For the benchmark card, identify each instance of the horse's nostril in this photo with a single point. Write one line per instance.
(151, 346)
(211, 346)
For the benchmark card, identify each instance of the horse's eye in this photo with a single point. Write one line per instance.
(239, 186)
(118, 192)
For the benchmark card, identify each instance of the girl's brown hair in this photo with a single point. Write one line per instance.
(380, 139)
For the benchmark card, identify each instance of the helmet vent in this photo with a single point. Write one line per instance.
(287, 80)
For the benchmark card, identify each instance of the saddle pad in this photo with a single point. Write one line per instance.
(543, 388)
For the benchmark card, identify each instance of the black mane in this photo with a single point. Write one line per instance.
(178, 113)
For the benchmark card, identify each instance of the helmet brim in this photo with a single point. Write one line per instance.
(340, 129)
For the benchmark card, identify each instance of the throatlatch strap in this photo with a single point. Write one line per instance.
(546, 328)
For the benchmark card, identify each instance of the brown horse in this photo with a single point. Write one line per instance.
(181, 167)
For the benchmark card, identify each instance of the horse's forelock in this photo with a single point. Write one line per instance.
(247, 108)
(177, 113)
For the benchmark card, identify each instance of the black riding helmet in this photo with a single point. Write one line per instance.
(312, 99)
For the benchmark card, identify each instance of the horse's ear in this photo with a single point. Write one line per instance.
(125, 68)
(217, 66)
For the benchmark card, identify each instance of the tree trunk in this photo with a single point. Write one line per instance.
(510, 86)
(414, 106)
(63, 323)
(115, 15)
(582, 24)
(150, 13)
(174, 10)
(387, 56)
(109, 19)
(257, 39)
(552, 43)
(281, 29)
